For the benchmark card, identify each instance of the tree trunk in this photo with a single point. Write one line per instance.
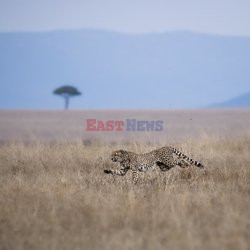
(66, 98)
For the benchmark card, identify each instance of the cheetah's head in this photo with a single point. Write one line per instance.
(119, 156)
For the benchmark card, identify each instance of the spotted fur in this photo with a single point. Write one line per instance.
(165, 158)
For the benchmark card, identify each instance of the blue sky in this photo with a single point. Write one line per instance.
(187, 69)
(226, 17)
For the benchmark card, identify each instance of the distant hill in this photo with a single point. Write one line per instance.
(113, 70)
(242, 101)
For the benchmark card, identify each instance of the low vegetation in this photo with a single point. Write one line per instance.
(55, 196)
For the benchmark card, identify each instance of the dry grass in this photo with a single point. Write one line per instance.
(55, 196)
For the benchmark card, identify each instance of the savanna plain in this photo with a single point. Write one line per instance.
(54, 194)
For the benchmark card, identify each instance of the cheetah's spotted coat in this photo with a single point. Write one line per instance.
(165, 158)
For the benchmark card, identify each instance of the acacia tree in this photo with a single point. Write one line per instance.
(66, 92)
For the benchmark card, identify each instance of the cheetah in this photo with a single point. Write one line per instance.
(165, 158)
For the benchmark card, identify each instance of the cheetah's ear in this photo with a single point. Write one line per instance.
(123, 151)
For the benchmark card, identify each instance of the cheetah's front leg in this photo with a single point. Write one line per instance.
(121, 171)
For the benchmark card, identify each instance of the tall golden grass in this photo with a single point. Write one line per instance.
(56, 196)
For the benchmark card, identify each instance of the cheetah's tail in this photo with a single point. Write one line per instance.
(190, 160)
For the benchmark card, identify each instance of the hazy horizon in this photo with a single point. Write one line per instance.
(125, 32)
(114, 70)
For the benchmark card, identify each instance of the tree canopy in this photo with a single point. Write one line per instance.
(67, 90)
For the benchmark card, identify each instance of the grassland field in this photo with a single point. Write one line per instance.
(54, 194)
